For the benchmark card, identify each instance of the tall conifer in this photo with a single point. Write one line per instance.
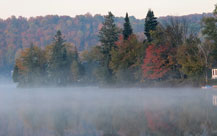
(127, 28)
(150, 24)
(108, 35)
(58, 61)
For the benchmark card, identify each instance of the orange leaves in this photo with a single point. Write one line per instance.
(19, 62)
(21, 67)
(127, 53)
(157, 61)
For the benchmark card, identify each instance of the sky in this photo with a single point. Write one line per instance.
(137, 8)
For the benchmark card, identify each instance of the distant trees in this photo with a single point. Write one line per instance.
(174, 53)
(17, 33)
(57, 65)
(170, 53)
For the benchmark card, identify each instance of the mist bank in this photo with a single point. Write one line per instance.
(99, 112)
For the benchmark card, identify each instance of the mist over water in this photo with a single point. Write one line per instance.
(92, 111)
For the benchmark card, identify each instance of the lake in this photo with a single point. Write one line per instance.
(93, 111)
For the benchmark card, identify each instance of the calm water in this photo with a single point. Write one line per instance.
(107, 112)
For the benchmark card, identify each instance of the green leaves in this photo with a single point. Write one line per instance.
(191, 59)
(209, 27)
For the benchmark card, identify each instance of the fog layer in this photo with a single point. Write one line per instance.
(103, 112)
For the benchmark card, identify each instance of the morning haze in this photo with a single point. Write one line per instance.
(105, 75)
(138, 8)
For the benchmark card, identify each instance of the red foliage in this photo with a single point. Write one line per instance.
(157, 62)
(120, 41)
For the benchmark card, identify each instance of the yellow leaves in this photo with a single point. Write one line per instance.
(191, 60)
(127, 55)
(93, 55)
(23, 57)
(21, 67)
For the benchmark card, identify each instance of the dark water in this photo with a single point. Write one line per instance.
(107, 112)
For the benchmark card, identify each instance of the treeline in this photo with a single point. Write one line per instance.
(170, 54)
(18, 33)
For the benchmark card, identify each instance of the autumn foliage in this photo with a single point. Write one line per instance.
(126, 59)
(157, 61)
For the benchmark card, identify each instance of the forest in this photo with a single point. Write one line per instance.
(17, 33)
(170, 51)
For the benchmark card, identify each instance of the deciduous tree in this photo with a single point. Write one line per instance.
(157, 62)
(127, 59)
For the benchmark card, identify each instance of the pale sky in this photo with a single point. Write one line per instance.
(138, 8)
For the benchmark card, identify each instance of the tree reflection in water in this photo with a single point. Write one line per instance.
(108, 112)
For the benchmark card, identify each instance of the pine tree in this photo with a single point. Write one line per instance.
(150, 24)
(58, 63)
(108, 35)
(127, 28)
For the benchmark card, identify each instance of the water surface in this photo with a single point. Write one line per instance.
(92, 111)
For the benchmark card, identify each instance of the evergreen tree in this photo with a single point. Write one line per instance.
(150, 24)
(108, 35)
(59, 64)
(127, 28)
